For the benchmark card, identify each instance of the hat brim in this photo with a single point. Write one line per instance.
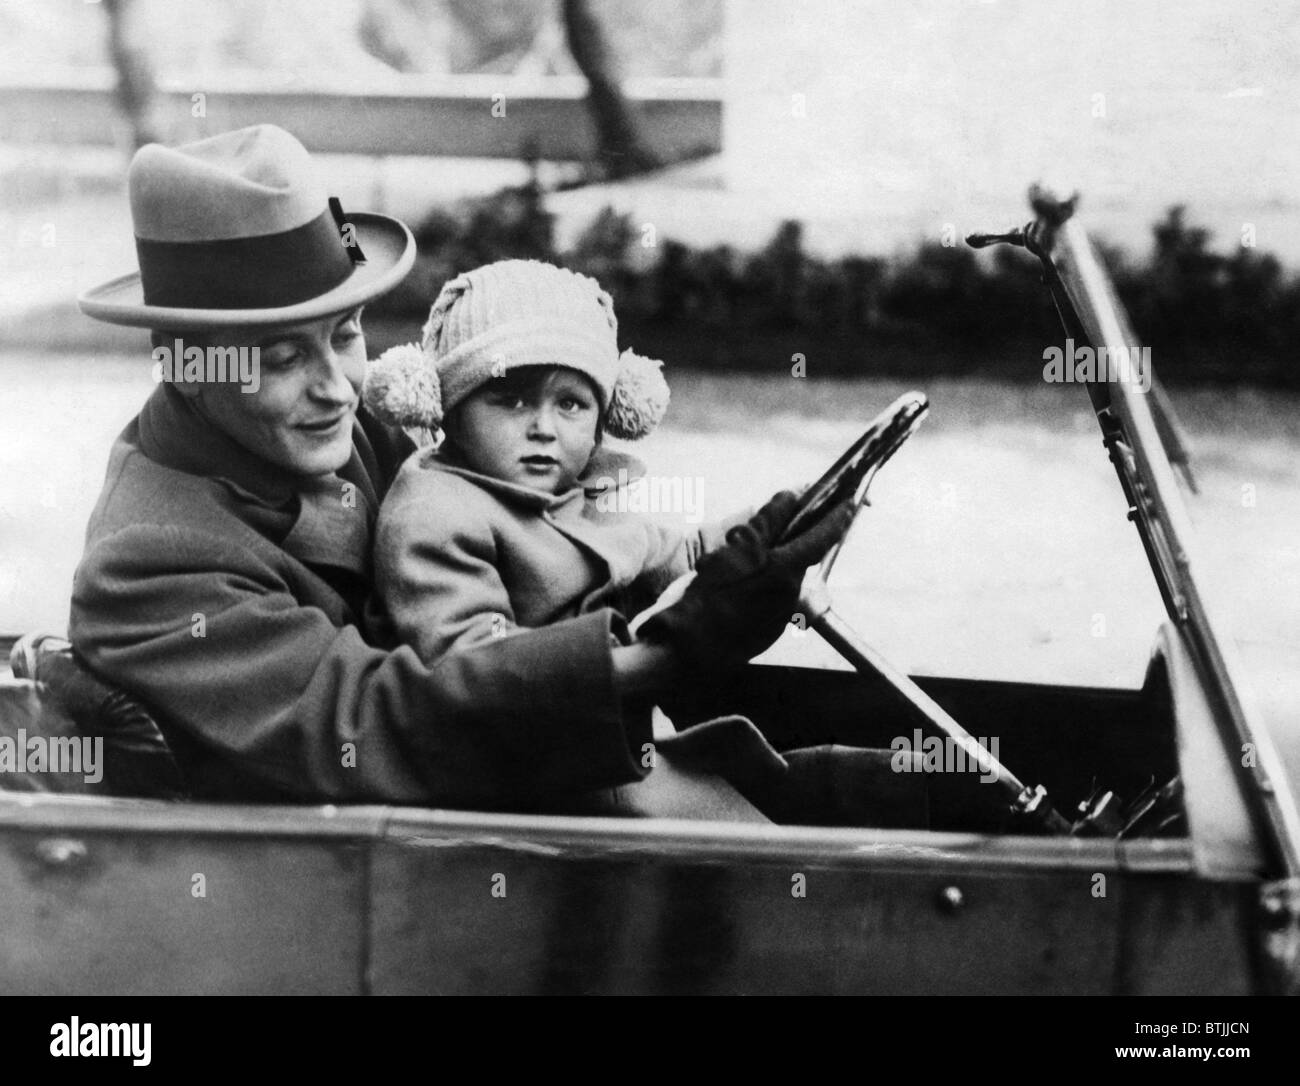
(390, 253)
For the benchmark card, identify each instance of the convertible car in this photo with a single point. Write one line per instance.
(1149, 845)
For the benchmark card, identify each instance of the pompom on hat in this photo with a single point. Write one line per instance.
(506, 316)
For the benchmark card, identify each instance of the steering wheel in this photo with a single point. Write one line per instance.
(851, 476)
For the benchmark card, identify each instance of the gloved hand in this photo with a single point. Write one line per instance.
(744, 593)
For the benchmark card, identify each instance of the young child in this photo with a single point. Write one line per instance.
(502, 525)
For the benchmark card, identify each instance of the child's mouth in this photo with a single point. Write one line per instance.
(539, 464)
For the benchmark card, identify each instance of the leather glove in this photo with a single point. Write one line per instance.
(745, 592)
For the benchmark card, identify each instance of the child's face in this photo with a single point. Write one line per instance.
(534, 426)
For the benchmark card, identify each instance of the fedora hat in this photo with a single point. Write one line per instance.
(236, 230)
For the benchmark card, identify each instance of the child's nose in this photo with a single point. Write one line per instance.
(542, 424)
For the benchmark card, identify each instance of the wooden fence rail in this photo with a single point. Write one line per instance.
(453, 116)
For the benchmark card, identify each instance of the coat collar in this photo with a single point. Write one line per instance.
(319, 520)
(606, 471)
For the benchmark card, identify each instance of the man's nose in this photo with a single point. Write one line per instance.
(332, 381)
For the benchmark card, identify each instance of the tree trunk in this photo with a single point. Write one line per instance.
(621, 148)
(136, 92)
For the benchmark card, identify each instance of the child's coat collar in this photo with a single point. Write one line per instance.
(601, 476)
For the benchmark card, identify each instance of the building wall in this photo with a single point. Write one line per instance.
(928, 112)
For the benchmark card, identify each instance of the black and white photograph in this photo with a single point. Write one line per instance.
(651, 497)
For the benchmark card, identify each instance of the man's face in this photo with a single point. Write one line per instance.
(535, 427)
(300, 416)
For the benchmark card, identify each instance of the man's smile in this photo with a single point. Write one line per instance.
(325, 427)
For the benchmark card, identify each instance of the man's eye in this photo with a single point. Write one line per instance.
(280, 360)
(347, 334)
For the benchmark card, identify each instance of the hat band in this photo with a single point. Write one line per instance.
(266, 272)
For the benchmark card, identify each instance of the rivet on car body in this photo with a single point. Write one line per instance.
(61, 852)
(951, 899)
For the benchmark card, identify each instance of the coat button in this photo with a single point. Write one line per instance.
(951, 899)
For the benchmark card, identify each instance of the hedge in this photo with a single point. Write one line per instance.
(939, 309)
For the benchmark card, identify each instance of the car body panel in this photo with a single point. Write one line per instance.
(1187, 937)
(1273, 670)
(131, 899)
(385, 900)
(866, 919)
(1224, 841)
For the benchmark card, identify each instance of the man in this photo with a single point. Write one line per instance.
(226, 566)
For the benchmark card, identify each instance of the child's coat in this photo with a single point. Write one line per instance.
(461, 557)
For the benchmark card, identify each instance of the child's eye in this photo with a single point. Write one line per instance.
(504, 399)
(572, 404)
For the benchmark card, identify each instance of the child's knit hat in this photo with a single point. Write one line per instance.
(504, 316)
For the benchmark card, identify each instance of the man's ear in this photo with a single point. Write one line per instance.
(189, 389)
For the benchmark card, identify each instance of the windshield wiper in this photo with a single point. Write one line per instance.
(1037, 238)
